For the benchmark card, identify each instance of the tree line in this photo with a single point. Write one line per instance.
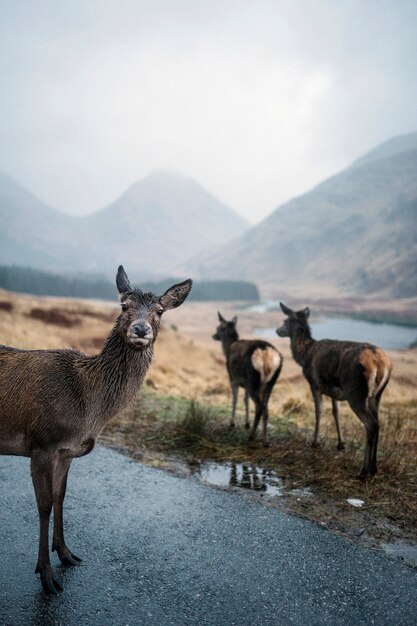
(39, 282)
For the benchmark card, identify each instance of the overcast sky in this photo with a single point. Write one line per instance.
(258, 100)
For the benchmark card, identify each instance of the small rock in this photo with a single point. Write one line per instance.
(355, 502)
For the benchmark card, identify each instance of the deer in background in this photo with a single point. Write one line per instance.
(343, 370)
(55, 403)
(252, 364)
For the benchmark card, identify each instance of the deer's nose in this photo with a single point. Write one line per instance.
(141, 329)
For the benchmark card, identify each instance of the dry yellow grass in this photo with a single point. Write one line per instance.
(188, 363)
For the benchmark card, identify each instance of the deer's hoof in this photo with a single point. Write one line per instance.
(367, 473)
(70, 559)
(316, 444)
(49, 582)
(65, 555)
(341, 445)
(232, 426)
(266, 444)
(247, 425)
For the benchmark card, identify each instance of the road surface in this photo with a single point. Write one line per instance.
(161, 550)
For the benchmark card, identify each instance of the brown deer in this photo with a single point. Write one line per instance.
(55, 403)
(343, 370)
(252, 364)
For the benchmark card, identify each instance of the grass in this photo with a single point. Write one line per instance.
(196, 431)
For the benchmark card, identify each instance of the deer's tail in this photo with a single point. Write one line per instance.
(266, 361)
(377, 369)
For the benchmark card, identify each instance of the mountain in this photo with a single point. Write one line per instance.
(157, 223)
(395, 145)
(354, 233)
(31, 233)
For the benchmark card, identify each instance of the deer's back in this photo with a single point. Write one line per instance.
(247, 355)
(340, 368)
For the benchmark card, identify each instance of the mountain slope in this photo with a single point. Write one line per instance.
(395, 145)
(354, 233)
(32, 233)
(157, 223)
(160, 221)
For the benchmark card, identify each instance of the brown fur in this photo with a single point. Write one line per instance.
(343, 370)
(55, 403)
(254, 365)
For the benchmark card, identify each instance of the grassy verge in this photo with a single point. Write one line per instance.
(193, 431)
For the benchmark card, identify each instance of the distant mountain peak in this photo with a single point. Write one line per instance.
(154, 225)
(391, 147)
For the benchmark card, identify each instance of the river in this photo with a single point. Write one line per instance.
(387, 336)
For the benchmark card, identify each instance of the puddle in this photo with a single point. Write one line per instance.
(246, 476)
(402, 550)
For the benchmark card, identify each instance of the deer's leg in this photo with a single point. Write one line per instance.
(258, 414)
(235, 390)
(265, 413)
(335, 410)
(317, 405)
(369, 419)
(265, 417)
(374, 449)
(58, 494)
(42, 470)
(247, 422)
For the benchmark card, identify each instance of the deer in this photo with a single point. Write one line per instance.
(55, 403)
(343, 370)
(252, 364)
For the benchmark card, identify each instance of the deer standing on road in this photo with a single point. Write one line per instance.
(252, 364)
(55, 403)
(343, 370)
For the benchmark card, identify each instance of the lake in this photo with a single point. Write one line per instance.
(387, 336)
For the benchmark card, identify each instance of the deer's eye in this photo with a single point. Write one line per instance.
(160, 311)
(124, 307)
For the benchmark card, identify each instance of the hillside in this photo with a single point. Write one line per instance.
(395, 145)
(354, 233)
(158, 222)
(31, 233)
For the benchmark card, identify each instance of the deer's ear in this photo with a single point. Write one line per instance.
(122, 281)
(221, 318)
(175, 295)
(234, 320)
(306, 312)
(285, 309)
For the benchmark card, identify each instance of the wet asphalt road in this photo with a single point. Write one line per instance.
(162, 550)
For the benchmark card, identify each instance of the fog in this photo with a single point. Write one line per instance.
(258, 101)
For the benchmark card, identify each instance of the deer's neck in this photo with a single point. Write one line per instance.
(116, 374)
(301, 342)
(227, 343)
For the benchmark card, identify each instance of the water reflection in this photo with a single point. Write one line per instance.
(251, 477)
(243, 475)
